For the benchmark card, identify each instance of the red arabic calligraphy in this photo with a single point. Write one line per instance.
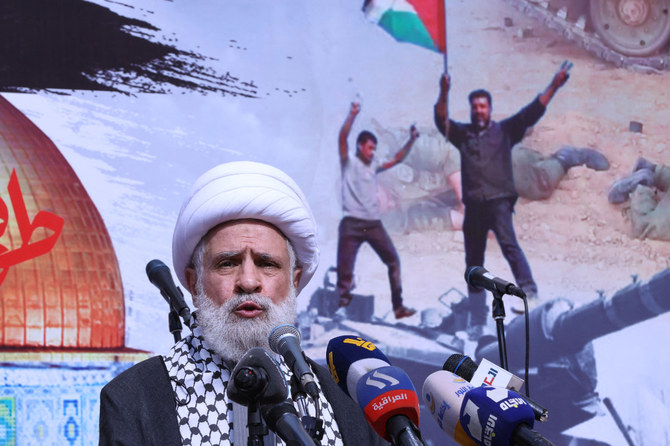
(28, 249)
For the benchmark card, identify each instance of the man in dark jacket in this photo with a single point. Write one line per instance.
(488, 188)
(244, 246)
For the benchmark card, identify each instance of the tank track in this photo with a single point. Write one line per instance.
(577, 32)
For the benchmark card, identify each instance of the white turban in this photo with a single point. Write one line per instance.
(240, 190)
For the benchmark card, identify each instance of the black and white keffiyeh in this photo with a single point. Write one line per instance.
(199, 379)
(205, 414)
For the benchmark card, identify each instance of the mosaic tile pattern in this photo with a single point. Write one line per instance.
(44, 404)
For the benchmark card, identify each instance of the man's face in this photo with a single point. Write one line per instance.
(480, 112)
(246, 257)
(367, 151)
(245, 288)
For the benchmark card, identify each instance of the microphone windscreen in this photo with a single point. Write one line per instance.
(473, 270)
(155, 267)
(350, 357)
(384, 393)
(489, 415)
(461, 365)
(443, 394)
(159, 274)
(279, 333)
(273, 390)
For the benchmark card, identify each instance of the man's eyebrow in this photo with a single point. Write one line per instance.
(226, 254)
(231, 254)
(267, 256)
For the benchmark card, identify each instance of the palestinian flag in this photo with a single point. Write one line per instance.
(420, 22)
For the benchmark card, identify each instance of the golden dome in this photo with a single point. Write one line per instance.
(60, 284)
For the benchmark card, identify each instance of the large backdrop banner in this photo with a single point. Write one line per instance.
(110, 110)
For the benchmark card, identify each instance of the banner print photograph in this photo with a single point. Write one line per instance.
(453, 156)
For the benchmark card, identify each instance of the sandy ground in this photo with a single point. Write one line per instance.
(576, 242)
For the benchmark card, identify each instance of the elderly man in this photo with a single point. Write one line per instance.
(244, 246)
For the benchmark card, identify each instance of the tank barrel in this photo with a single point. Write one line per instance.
(635, 303)
(557, 329)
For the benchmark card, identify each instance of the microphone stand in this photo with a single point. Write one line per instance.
(313, 425)
(257, 428)
(185, 312)
(175, 325)
(499, 315)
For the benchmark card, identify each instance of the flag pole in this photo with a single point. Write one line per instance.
(446, 59)
(446, 66)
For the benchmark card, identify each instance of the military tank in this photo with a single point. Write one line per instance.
(562, 366)
(628, 33)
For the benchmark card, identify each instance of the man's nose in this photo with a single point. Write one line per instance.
(248, 279)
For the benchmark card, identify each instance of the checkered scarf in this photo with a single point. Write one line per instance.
(199, 379)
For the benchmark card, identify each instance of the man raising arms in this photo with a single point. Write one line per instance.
(487, 181)
(362, 221)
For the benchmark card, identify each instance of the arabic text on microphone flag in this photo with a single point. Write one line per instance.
(421, 22)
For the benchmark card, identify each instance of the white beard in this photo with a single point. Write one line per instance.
(230, 335)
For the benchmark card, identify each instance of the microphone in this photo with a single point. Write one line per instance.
(283, 419)
(494, 416)
(443, 393)
(159, 275)
(490, 374)
(479, 277)
(257, 378)
(349, 357)
(485, 374)
(285, 341)
(390, 405)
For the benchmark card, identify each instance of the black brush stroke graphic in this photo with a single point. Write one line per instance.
(77, 45)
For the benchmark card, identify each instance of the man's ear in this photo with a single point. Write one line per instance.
(297, 274)
(191, 280)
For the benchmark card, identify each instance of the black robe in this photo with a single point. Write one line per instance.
(138, 408)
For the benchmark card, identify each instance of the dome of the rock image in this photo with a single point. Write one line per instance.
(69, 296)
